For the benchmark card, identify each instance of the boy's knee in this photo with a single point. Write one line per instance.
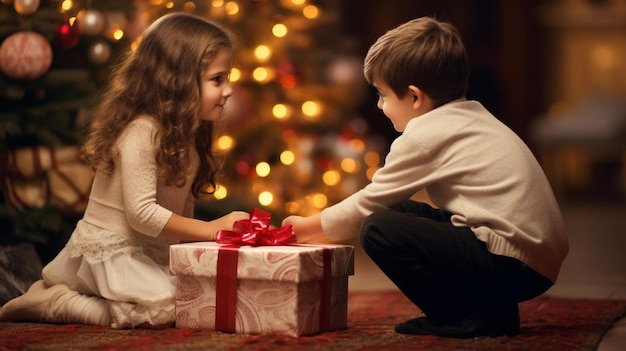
(371, 230)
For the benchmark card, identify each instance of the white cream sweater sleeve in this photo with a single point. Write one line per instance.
(138, 173)
(127, 200)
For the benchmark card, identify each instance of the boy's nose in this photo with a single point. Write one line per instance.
(379, 103)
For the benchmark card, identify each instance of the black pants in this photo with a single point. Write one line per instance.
(445, 270)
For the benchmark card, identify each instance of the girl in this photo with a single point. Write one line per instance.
(151, 147)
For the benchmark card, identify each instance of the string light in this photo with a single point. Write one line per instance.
(357, 145)
(292, 207)
(287, 157)
(349, 165)
(118, 34)
(235, 74)
(319, 200)
(310, 11)
(232, 8)
(220, 192)
(279, 30)
(189, 7)
(262, 53)
(266, 198)
(263, 169)
(217, 3)
(67, 5)
(281, 111)
(331, 177)
(225, 143)
(262, 74)
(311, 108)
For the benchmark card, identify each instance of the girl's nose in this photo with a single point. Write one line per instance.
(228, 91)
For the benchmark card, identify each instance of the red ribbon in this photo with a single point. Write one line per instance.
(226, 288)
(327, 284)
(256, 232)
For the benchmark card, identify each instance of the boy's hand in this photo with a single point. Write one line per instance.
(305, 228)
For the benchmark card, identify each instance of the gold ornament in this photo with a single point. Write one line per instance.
(26, 7)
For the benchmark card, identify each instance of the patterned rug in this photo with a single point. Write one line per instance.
(547, 324)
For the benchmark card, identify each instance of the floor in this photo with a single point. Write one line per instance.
(595, 267)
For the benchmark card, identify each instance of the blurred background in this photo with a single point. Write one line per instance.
(302, 130)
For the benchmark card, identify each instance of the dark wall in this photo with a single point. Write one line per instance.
(502, 39)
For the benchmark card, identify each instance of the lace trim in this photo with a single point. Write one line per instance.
(131, 315)
(97, 245)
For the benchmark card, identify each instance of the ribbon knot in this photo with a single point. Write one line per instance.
(256, 231)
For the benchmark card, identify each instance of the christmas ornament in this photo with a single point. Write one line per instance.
(26, 7)
(25, 55)
(345, 70)
(67, 36)
(287, 75)
(99, 52)
(90, 22)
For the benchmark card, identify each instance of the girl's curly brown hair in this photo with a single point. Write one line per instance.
(162, 79)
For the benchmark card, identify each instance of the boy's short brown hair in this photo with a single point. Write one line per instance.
(423, 52)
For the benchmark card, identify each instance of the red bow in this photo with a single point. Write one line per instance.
(256, 232)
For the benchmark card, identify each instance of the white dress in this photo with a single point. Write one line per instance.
(115, 251)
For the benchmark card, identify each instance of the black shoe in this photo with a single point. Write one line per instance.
(491, 323)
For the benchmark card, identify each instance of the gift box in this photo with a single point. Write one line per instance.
(289, 289)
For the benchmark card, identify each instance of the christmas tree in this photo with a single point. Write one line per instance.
(54, 57)
(291, 138)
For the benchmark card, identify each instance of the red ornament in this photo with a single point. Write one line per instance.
(67, 37)
(287, 75)
(25, 55)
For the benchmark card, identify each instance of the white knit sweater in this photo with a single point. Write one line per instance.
(132, 205)
(475, 167)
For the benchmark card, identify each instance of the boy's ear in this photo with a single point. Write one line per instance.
(417, 95)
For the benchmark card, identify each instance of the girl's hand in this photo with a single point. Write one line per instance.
(190, 229)
(227, 221)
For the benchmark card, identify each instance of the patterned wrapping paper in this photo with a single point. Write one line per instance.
(279, 288)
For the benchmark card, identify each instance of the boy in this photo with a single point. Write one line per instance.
(496, 237)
